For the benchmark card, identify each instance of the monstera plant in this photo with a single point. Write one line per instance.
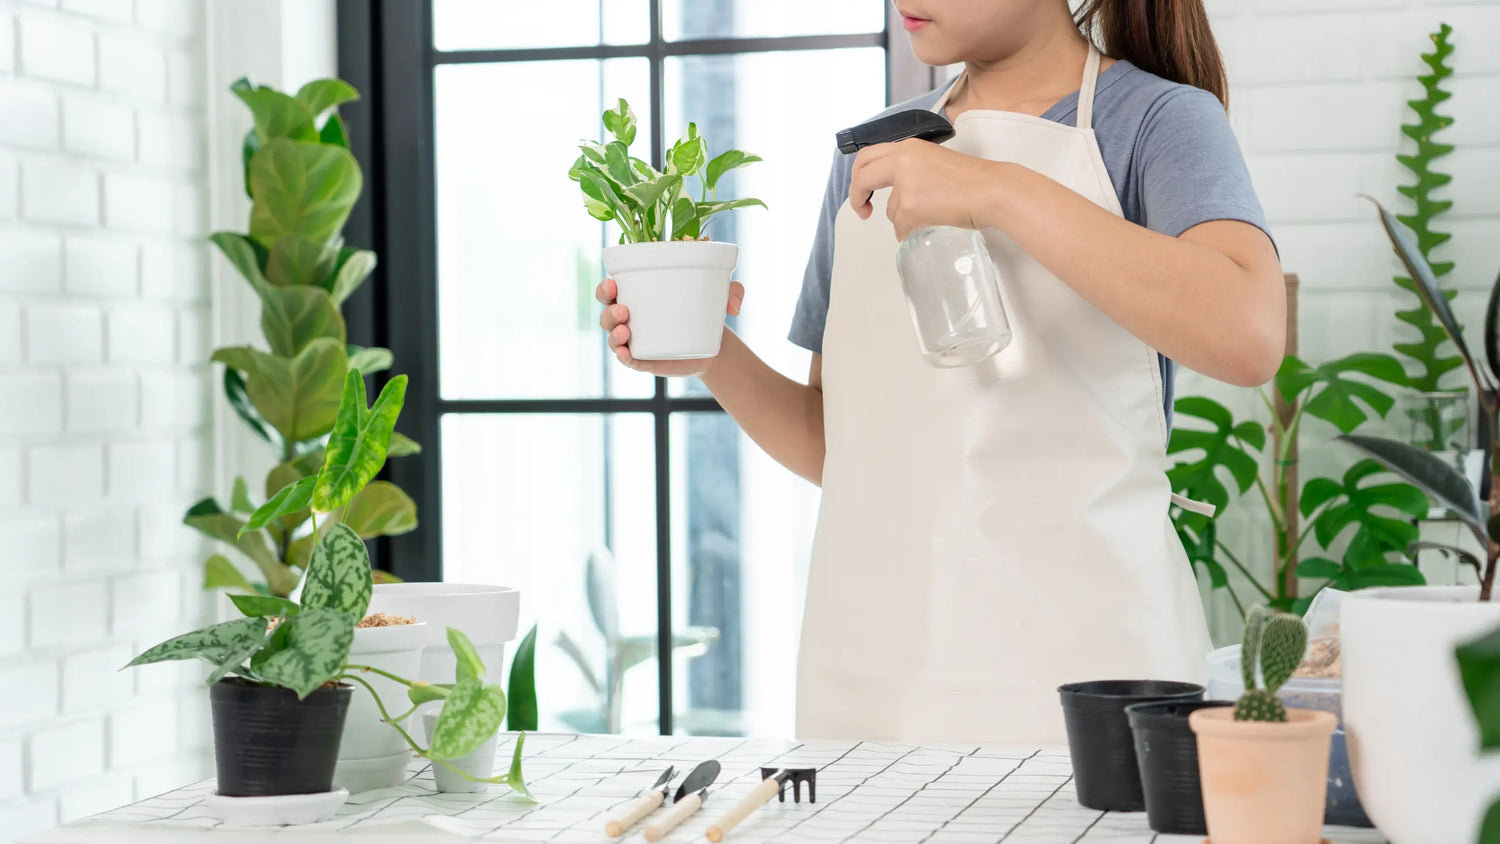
(302, 182)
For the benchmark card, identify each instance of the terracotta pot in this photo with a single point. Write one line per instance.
(1263, 783)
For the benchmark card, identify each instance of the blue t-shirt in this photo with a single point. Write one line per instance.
(1167, 146)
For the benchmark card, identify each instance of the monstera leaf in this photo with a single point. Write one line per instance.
(298, 396)
(1382, 513)
(338, 578)
(1335, 395)
(306, 650)
(301, 190)
(1426, 471)
(358, 443)
(1225, 448)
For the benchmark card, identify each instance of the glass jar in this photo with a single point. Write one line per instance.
(953, 292)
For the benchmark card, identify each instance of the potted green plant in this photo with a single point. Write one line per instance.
(673, 280)
(1263, 766)
(294, 258)
(1479, 667)
(1412, 741)
(282, 680)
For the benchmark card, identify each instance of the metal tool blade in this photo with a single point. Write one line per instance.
(702, 777)
(665, 777)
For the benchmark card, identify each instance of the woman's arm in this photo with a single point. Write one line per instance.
(1212, 299)
(783, 417)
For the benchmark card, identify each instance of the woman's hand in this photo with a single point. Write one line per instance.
(930, 185)
(615, 321)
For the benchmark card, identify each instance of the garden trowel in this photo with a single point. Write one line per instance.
(641, 806)
(690, 796)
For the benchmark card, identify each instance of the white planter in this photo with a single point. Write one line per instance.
(371, 753)
(676, 293)
(488, 615)
(1413, 744)
(479, 763)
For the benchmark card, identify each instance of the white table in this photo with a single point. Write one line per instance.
(866, 792)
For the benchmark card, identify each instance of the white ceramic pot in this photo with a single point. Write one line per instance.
(488, 615)
(1413, 744)
(371, 753)
(676, 293)
(479, 763)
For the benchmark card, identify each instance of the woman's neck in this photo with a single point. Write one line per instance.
(1028, 81)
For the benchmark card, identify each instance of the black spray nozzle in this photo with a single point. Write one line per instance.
(912, 123)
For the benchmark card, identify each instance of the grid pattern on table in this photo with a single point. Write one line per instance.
(866, 792)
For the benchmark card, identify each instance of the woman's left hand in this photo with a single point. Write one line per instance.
(930, 185)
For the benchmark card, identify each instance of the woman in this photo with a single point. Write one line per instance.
(990, 532)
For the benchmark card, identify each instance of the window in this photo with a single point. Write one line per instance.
(632, 513)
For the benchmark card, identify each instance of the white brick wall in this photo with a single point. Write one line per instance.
(104, 332)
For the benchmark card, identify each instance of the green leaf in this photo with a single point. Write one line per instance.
(401, 445)
(620, 121)
(358, 443)
(685, 220)
(295, 260)
(689, 155)
(334, 133)
(298, 396)
(1356, 504)
(277, 116)
(338, 577)
(220, 573)
(523, 706)
(369, 359)
(320, 95)
(239, 496)
(471, 715)
(314, 644)
(292, 498)
(1379, 574)
(239, 402)
(210, 644)
(381, 509)
(264, 606)
(292, 317)
(241, 253)
(301, 189)
(420, 693)
(208, 518)
(1223, 448)
(1443, 482)
(649, 193)
(1339, 399)
(617, 164)
(1318, 567)
(730, 159)
(234, 658)
(469, 665)
(355, 269)
(248, 148)
(1479, 669)
(1489, 828)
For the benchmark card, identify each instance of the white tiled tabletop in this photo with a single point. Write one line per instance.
(869, 791)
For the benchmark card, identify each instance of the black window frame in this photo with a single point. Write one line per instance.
(385, 49)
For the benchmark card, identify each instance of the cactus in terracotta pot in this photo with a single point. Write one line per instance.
(1276, 642)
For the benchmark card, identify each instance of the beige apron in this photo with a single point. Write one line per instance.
(989, 532)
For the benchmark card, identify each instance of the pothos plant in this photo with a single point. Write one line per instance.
(1309, 517)
(304, 645)
(302, 182)
(651, 205)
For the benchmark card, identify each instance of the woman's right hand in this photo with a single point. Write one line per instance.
(615, 320)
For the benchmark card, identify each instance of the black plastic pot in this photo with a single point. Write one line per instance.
(1099, 739)
(1167, 752)
(266, 742)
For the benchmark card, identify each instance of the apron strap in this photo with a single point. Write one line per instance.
(1086, 89)
(937, 107)
(1188, 504)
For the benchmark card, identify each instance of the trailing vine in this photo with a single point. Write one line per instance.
(1432, 353)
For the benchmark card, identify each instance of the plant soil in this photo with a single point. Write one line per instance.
(1322, 660)
(380, 619)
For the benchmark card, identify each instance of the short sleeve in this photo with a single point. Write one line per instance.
(812, 304)
(1192, 170)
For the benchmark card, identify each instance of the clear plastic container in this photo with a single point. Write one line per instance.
(953, 292)
(1225, 683)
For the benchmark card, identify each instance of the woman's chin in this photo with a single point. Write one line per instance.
(929, 51)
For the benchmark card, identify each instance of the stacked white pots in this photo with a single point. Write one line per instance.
(1413, 744)
(488, 615)
(372, 754)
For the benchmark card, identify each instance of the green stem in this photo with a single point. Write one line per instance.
(384, 715)
(1239, 607)
(314, 514)
(1241, 566)
(386, 674)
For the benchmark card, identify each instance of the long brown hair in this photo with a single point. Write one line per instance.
(1170, 38)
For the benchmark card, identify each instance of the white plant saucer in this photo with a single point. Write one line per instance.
(280, 810)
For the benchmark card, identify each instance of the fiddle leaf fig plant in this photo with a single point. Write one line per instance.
(651, 205)
(302, 182)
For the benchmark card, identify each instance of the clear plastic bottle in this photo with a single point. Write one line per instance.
(953, 292)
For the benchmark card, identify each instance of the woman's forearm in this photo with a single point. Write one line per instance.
(783, 417)
(1213, 300)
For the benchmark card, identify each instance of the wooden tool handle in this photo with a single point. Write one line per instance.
(632, 813)
(754, 800)
(668, 822)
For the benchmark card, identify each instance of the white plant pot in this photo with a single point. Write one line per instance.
(1413, 744)
(488, 615)
(371, 753)
(479, 763)
(676, 293)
